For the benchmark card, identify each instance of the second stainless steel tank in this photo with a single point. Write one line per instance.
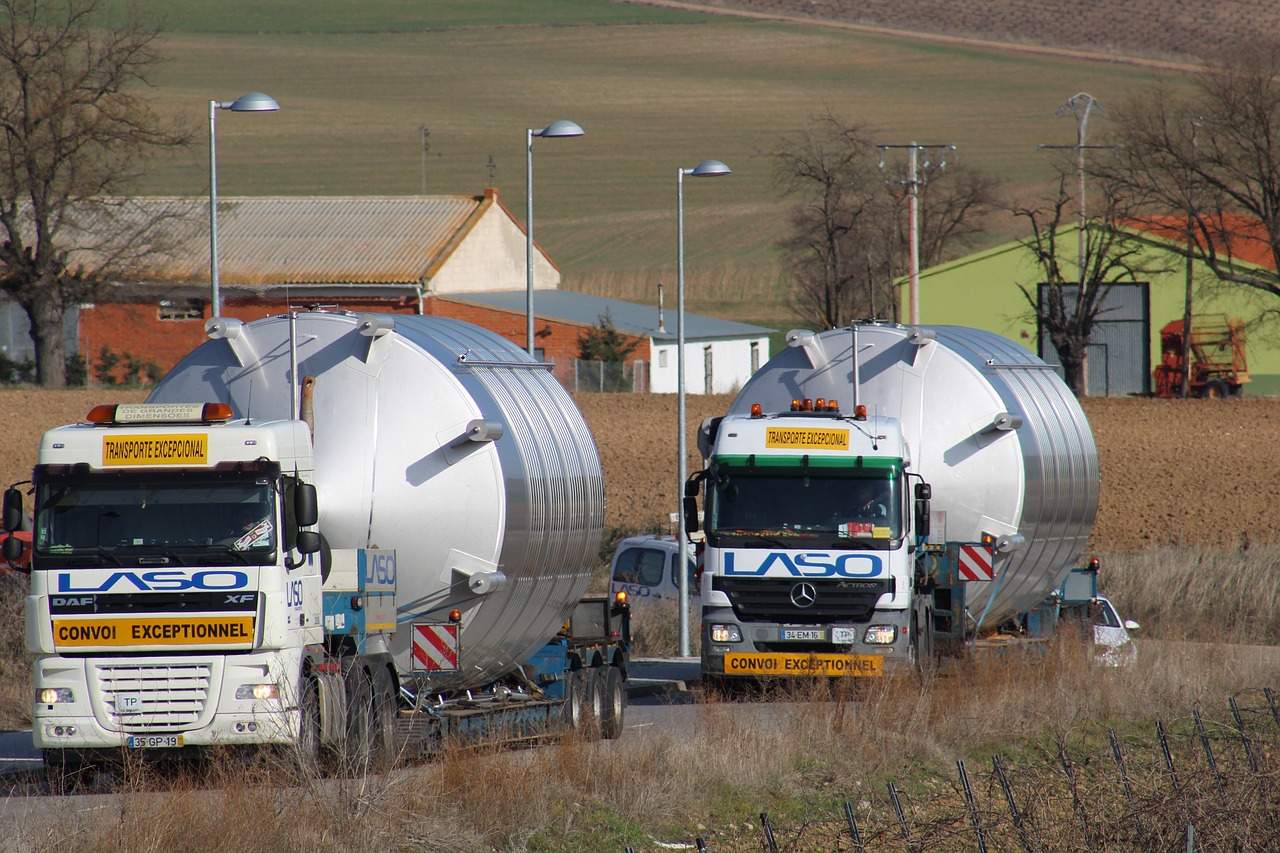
(993, 429)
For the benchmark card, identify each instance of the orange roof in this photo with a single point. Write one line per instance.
(1243, 238)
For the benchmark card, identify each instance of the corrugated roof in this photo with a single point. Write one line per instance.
(629, 317)
(337, 240)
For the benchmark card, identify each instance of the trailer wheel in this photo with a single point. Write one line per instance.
(595, 694)
(383, 732)
(309, 753)
(356, 746)
(575, 699)
(613, 703)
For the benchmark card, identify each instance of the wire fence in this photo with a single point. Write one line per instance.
(582, 375)
(1189, 784)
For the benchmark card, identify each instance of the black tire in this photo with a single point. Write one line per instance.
(613, 703)
(383, 731)
(65, 774)
(1214, 389)
(595, 693)
(575, 700)
(357, 740)
(310, 752)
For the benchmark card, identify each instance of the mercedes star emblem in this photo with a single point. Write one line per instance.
(803, 594)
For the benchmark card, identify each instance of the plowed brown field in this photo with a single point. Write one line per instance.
(1174, 472)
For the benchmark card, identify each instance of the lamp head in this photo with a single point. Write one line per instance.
(708, 169)
(563, 127)
(253, 102)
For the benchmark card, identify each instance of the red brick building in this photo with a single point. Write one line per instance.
(450, 256)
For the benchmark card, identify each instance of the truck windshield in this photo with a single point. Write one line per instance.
(117, 522)
(826, 504)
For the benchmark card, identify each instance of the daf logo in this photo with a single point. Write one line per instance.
(803, 595)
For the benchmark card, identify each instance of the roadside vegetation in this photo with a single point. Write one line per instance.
(812, 749)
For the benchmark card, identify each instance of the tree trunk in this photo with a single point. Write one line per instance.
(46, 315)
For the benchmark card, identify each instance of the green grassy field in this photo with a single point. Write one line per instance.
(655, 90)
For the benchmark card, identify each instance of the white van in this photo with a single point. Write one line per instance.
(644, 567)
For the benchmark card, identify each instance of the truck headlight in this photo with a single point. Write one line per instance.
(725, 634)
(881, 635)
(54, 696)
(258, 691)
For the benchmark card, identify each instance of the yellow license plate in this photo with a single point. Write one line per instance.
(776, 663)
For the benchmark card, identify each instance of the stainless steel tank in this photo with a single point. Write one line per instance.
(442, 441)
(991, 427)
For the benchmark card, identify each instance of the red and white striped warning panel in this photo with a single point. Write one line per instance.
(435, 648)
(977, 563)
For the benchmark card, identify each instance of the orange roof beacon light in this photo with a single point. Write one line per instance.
(159, 413)
(620, 597)
(833, 406)
(806, 405)
(859, 412)
(1094, 564)
(455, 616)
(795, 405)
(757, 411)
(820, 404)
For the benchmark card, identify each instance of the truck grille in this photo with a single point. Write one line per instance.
(771, 599)
(173, 696)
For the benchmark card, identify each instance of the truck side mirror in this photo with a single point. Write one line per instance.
(12, 509)
(11, 548)
(923, 491)
(691, 515)
(922, 518)
(306, 511)
(308, 541)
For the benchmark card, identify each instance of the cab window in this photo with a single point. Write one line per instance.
(640, 565)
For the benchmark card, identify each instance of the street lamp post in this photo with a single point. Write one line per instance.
(705, 169)
(552, 131)
(254, 102)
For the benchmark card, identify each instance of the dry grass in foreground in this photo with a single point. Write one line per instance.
(721, 764)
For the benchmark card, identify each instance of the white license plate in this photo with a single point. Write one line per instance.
(154, 741)
(844, 636)
(818, 634)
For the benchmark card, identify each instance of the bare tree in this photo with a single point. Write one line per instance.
(1075, 289)
(1203, 166)
(848, 242)
(72, 136)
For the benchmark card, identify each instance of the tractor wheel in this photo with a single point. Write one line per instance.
(1214, 389)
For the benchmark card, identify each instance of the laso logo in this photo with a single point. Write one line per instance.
(804, 565)
(160, 581)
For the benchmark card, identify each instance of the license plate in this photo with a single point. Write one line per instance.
(844, 636)
(154, 741)
(818, 634)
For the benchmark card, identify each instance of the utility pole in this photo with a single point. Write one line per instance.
(913, 184)
(426, 146)
(1080, 105)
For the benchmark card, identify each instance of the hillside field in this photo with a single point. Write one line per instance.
(1174, 472)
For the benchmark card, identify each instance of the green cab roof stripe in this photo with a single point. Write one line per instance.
(886, 464)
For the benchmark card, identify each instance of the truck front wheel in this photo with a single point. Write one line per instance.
(308, 745)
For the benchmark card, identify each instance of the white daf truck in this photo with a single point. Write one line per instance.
(346, 534)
